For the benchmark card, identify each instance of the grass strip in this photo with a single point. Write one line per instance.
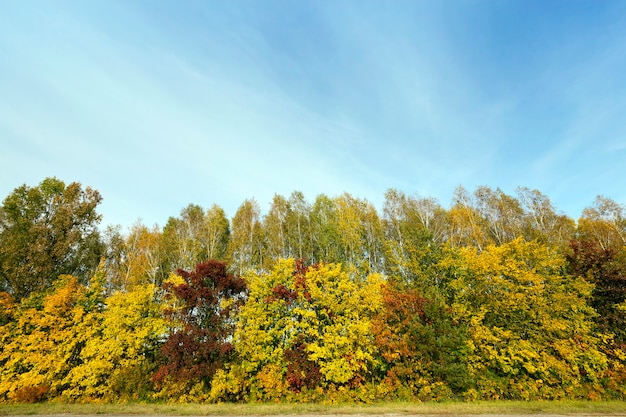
(604, 408)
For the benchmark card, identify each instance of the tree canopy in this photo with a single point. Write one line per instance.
(495, 297)
(47, 231)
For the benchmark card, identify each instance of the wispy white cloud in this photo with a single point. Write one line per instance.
(160, 104)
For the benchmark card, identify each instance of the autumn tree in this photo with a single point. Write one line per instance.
(605, 268)
(7, 308)
(43, 343)
(530, 329)
(604, 223)
(215, 234)
(47, 231)
(77, 344)
(490, 216)
(598, 253)
(304, 326)
(193, 237)
(503, 214)
(246, 247)
(467, 227)
(299, 226)
(360, 233)
(136, 258)
(423, 349)
(287, 229)
(414, 230)
(325, 239)
(200, 318)
(275, 226)
(119, 356)
(542, 221)
(181, 239)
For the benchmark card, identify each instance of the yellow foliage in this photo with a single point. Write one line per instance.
(271, 382)
(7, 307)
(73, 343)
(130, 327)
(527, 319)
(329, 310)
(42, 343)
(228, 385)
(175, 279)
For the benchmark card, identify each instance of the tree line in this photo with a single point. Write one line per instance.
(496, 297)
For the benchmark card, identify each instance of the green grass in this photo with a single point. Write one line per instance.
(397, 409)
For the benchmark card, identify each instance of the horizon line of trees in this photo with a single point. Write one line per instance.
(498, 296)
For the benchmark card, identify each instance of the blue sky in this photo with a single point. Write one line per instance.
(158, 104)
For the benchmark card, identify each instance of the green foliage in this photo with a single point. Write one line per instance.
(47, 231)
(247, 247)
(215, 234)
(324, 234)
(485, 300)
(423, 348)
(359, 233)
(181, 239)
(414, 228)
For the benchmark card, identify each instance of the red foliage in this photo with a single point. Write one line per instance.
(606, 269)
(404, 310)
(280, 292)
(418, 339)
(202, 345)
(301, 372)
(299, 274)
